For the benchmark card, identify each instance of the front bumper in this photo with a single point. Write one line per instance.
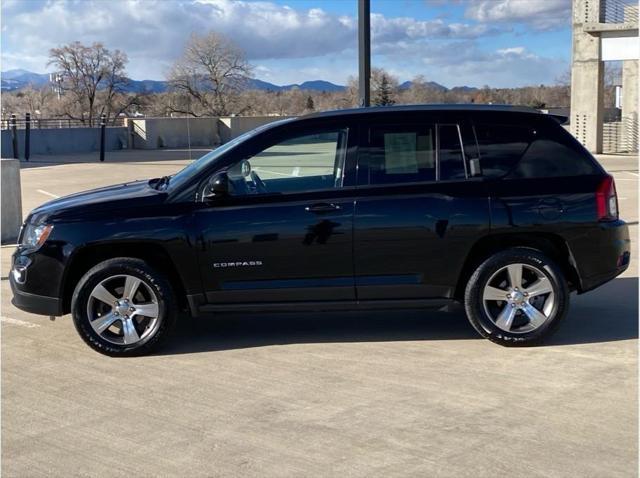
(34, 283)
(33, 303)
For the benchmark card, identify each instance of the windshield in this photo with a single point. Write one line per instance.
(209, 159)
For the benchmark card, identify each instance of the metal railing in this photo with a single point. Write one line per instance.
(619, 11)
(54, 123)
(12, 127)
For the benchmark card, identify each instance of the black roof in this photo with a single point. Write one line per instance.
(417, 108)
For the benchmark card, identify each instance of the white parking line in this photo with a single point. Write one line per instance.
(635, 174)
(55, 196)
(21, 323)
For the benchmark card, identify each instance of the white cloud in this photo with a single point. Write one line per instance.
(540, 14)
(515, 50)
(286, 44)
(465, 63)
(153, 32)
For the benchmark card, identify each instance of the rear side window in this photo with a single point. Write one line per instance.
(526, 152)
(401, 154)
(414, 153)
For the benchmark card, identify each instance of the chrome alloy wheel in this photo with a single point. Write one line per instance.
(123, 310)
(518, 298)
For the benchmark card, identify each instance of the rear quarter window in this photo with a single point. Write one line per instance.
(518, 151)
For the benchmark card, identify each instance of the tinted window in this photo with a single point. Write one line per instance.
(550, 156)
(501, 147)
(450, 153)
(295, 164)
(526, 152)
(399, 154)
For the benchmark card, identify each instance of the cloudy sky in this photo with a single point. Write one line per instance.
(455, 42)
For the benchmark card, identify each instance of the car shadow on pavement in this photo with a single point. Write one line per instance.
(237, 331)
(606, 315)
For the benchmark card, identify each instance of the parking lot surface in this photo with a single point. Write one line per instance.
(342, 394)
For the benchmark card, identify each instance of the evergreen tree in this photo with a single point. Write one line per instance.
(384, 93)
(310, 104)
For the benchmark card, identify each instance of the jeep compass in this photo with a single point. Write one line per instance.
(496, 207)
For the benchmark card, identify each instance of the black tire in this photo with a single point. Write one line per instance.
(167, 310)
(480, 318)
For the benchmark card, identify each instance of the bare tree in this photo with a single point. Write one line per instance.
(211, 73)
(93, 77)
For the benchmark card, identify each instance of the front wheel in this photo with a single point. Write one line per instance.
(517, 297)
(123, 307)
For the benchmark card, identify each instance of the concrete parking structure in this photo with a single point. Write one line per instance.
(342, 394)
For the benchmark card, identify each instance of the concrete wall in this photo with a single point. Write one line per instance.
(231, 127)
(143, 133)
(154, 133)
(11, 201)
(65, 140)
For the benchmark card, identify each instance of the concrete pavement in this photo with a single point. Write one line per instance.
(359, 394)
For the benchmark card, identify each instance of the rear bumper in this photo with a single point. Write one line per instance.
(603, 254)
(33, 303)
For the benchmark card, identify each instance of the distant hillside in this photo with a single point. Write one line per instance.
(13, 80)
(431, 84)
(18, 79)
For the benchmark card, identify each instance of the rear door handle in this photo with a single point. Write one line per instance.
(322, 207)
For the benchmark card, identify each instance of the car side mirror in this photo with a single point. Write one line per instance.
(217, 187)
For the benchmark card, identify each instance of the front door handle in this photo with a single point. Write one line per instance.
(323, 207)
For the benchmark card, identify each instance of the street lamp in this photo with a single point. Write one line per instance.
(364, 52)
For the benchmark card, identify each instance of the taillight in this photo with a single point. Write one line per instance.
(607, 200)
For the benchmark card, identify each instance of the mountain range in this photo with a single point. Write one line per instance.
(13, 80)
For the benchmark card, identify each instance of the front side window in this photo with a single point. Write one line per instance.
(305, 162)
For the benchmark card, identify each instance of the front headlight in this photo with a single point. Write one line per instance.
(34, 236)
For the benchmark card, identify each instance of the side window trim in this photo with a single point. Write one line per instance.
(462, 151)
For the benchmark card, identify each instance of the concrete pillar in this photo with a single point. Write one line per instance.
(630, 105)
(587, 78)
(11, 201)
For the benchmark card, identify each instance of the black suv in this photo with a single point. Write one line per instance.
(496, 207)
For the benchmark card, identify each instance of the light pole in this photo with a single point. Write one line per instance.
(364, 52)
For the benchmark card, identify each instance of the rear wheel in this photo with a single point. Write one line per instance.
(517, 297)
(123, 307)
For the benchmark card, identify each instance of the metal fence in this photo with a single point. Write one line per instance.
(51, 123)
(619, 11)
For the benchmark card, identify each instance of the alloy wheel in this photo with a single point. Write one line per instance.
(123, 309)
(519, 298)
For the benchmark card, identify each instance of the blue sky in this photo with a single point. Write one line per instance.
(458, 42)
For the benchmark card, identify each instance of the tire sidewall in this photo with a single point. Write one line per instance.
(116, 267)
(475, 306)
